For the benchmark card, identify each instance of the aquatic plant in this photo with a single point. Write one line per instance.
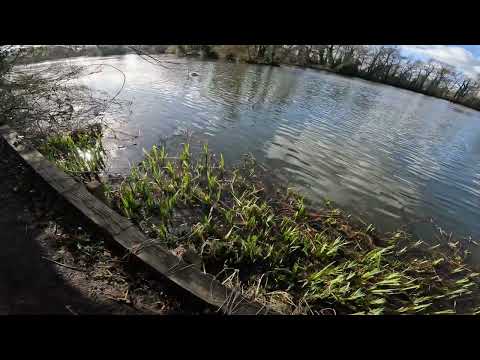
(278, 250)
(80, 154)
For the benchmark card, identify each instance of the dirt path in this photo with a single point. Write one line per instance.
(99, 280)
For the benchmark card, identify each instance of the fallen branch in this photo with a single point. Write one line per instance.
(69, 308)
(140, 53)
(58, 263)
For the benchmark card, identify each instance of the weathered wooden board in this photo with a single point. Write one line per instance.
(60, 181)
(187, 276)
(123, 232)
(96, 211)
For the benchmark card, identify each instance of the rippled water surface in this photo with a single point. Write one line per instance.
(385, 154)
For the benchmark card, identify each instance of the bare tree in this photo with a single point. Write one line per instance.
(45, 99)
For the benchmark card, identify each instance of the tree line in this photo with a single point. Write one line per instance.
(54, 52)
(384, 64)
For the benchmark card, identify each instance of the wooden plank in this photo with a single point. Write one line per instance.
(76, 194)
(96, 211)
(187, 276)
(49, 172)
(57, 179)
(122, 231)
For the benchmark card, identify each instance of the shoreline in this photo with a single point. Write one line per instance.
(262, 241)
(227, 228)
(44, 248)
(383, 83)
(291, 225)
(87, 207)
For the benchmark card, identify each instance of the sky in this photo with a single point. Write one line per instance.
(465, 58)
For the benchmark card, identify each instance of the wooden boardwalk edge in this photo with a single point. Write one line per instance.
(124, 232)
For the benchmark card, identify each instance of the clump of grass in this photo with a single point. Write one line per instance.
(80, 153)
(288, 256)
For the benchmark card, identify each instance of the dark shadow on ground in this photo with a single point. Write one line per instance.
(30, 284)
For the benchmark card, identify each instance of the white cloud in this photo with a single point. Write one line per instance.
(456, 56)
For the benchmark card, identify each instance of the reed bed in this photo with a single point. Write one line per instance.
(275, 249)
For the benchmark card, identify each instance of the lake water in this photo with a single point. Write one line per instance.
(390, 156)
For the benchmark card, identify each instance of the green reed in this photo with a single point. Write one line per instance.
(284, 254)
(80, 154)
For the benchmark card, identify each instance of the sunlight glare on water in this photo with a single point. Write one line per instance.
(388, 155)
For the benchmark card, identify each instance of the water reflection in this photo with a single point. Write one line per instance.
(386, 154)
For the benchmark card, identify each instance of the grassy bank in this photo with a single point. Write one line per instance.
(276, 250)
